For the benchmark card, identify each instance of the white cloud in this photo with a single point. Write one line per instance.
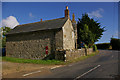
(96, 13)
(10, 21)
(31, 15)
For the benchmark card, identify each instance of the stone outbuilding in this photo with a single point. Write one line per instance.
(40, 40)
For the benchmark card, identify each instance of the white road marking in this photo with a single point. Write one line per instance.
(55, 67)
(31, 73)
(87, 72)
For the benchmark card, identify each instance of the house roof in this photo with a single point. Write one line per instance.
(42, 25)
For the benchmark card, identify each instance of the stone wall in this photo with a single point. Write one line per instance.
(59, 39)
(68, 36)
(75, 33)
(71, 54)
(60, 55)
(89, 50)
(32, 45)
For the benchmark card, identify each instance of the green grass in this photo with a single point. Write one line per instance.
(49, 62)
(19, 60)
(0, 58)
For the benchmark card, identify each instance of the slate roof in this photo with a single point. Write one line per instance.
(42, 25)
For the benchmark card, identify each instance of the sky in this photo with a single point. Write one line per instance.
(106, 13)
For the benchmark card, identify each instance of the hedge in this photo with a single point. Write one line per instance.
(103, 45)
(115, 43)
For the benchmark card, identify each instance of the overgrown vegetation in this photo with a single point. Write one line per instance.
(89, 31)
(115, 43)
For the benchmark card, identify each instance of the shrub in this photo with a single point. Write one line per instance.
(94, 47)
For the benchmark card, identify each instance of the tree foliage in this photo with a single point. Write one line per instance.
(89, 31)
(4, 31)
(86, 35)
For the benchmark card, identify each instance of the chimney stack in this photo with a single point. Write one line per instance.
(41, 20)
(66, 12)
(73, 18)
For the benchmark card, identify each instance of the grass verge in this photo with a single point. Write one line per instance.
(82, 57)
(49, 62)
(19, 60)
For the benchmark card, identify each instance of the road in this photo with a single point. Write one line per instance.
(103, 65)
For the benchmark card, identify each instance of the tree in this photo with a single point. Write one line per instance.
(4, 31)
(86, 35)
(89, 31)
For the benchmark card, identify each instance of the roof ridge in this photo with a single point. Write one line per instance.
(40, 21)
(44, 25)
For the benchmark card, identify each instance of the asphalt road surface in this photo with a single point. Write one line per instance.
(103, 65)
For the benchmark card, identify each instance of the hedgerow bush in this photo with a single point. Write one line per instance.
(103, 45)
(115, 43)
